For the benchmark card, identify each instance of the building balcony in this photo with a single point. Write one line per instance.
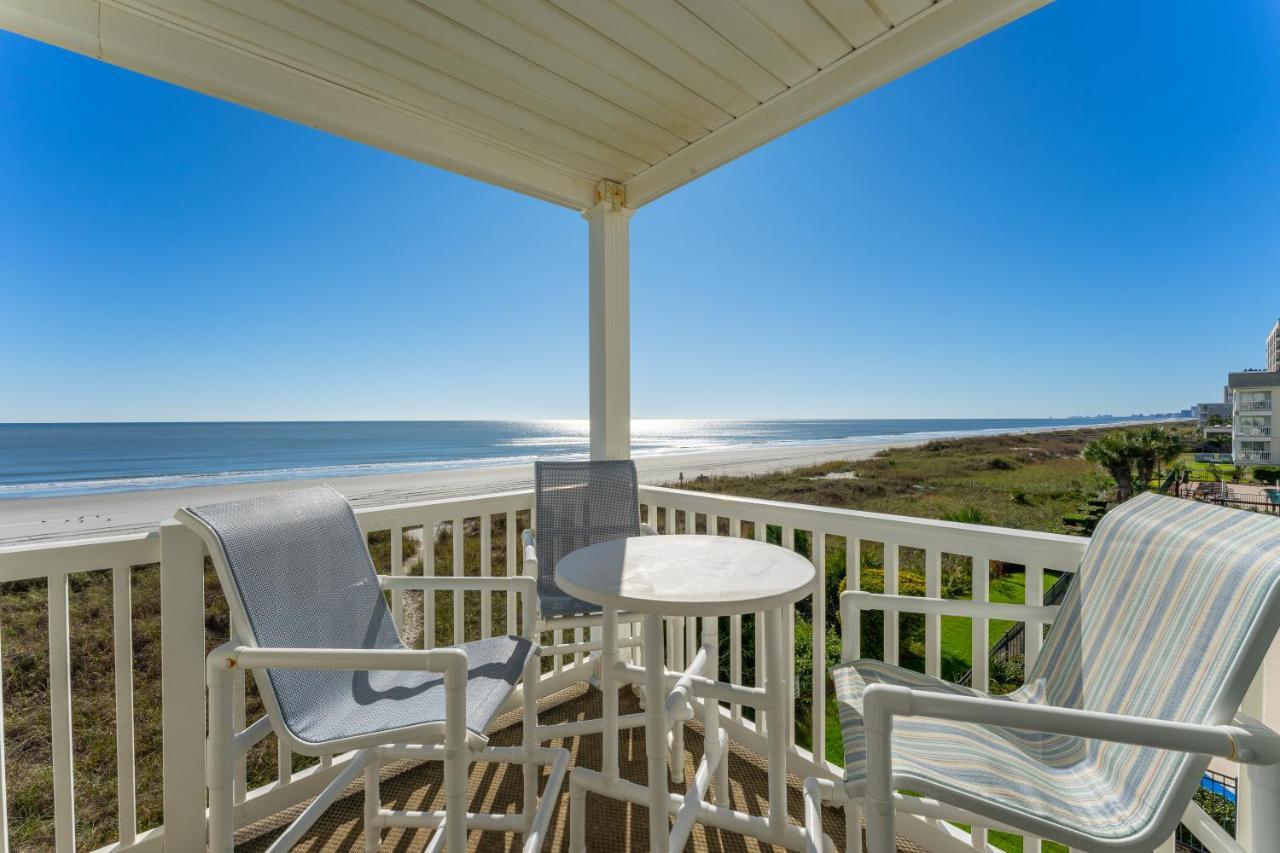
(1254, 406)
(166, 612)
(1252, 456)
(1264, 432)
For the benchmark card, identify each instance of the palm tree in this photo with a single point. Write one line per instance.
(1152, 447)
(1115, 452)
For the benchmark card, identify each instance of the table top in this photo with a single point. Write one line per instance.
(686, 575)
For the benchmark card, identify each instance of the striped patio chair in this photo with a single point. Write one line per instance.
(310, 620)
(1172, 611)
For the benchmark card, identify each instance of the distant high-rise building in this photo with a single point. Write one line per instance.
(1273, 349)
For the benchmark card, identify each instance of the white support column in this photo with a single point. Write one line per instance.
(610, 313)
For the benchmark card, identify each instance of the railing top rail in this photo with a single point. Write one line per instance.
(36, 558)
(413, 512)
(57, 557)
(78, 544)
(998, 543)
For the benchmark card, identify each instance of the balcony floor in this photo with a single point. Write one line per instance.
(612, 826)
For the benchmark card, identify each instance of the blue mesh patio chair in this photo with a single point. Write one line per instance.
(1173, 608)
(309, 618)
(577, 504)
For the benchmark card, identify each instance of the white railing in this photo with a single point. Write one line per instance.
(1253, 430)
(1254, 406)
(1252, 456)
(489, 526)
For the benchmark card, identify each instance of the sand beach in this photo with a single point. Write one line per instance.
(86, 516)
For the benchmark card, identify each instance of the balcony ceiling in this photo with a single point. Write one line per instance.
(547, 97)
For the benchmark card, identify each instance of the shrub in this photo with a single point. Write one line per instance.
(1269, 474)
(911, 631)
(804, 664)
(966, 515)
(1001, 464)
(1007, 674)
(1218, 807)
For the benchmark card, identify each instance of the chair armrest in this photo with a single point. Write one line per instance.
(512, 583)
(1244, 740)
(448, 661)
(526, 585)
(647, 529)
(862, 600)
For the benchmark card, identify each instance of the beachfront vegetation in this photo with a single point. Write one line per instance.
(1132, 456)
(1027, 482)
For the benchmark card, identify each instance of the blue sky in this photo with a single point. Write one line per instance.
(1079, 213)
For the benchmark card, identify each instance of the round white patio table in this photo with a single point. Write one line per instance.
(687, 576)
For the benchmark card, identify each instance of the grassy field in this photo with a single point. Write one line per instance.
(1028, 482)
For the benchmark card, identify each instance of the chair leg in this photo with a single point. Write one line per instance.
(218, 751)
(880, 826)
(853, 826)
(878, 726)
(532, 670)
(372, 803)
(577, 815)
(457, 762)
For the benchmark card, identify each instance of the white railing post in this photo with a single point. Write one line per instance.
(4, 794)
(1258, 798)
(61, 743)
(182, 660)
(610, 318)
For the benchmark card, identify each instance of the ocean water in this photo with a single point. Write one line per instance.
(44, 460)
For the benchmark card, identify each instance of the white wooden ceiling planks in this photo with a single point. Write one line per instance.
(547, 97)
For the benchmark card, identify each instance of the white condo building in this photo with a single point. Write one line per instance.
(1254, 393)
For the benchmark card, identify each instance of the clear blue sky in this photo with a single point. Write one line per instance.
(1078, 213)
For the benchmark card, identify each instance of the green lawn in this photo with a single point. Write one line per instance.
(957, 630)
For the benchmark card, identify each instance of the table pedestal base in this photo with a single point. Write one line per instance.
(661, 715)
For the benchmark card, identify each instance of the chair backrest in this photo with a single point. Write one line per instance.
(1172, 611)
(296, 574)
(579, 504)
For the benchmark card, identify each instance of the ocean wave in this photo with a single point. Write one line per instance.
(546, 441)
(226, 478)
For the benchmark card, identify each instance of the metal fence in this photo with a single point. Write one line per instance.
(1013, 643)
